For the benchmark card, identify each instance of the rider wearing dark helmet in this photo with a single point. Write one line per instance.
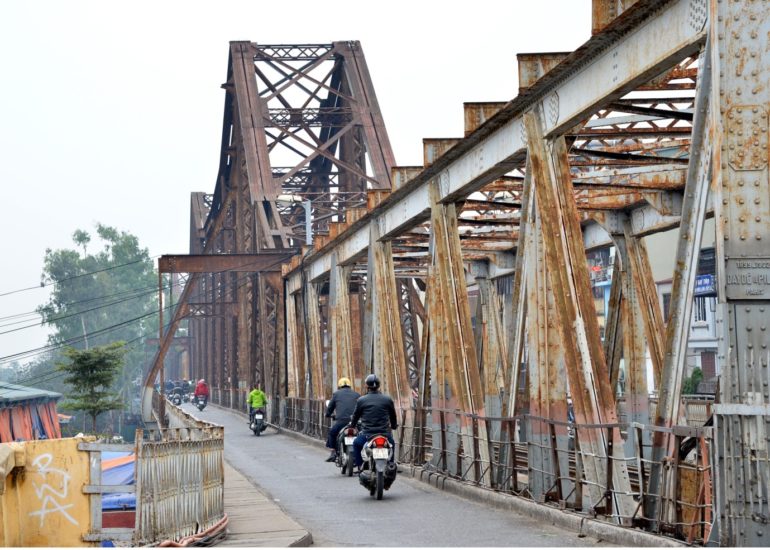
(377, 414)
(341, 405)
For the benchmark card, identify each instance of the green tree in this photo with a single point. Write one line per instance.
(91, 373)
(690, 384)
(100, 297)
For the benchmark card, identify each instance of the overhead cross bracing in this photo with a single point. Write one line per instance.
(464, 283)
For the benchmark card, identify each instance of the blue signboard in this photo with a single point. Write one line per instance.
(705, 285)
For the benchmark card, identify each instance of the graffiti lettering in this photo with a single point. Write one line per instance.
(47, 494)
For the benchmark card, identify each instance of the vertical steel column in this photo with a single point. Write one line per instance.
(340, 321)
(587, 374)
(740, 34)
(518, 328)
(313, 352)
(460, 355)
(389, 361)
(295, 349)
(303, 372)
(644, 283)
(634, 345)
(688, 249)
(490, 344)
(547, 385)
(613, 328)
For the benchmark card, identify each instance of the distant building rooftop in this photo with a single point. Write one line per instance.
(13, 394)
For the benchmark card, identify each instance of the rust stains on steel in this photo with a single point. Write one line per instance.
(471, 268)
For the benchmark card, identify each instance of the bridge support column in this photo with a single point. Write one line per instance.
(340, 322)
(451, 317)
(313, 345)
(295, 349)
(593, 401)
(388, 351)
(740, 108)
(547, 444)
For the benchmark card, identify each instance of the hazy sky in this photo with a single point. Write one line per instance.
(111, 112)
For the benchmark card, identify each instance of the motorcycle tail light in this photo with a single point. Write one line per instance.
(380, 442)
(351, 431)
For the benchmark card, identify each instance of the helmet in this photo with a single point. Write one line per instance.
(201, 381)
(342, 382)
(372, 382)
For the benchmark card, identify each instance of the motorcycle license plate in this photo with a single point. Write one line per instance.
(349, 440)
(379, 453)
(258, 416)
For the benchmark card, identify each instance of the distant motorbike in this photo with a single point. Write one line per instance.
(345, 450)
(257, 422)
(175, 396)
(379, 469)
(199, 401)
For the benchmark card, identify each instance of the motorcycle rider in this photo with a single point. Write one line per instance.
(202, 391)
(343, 401)
(256, 400)
(377, 414)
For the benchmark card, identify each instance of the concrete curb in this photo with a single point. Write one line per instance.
(583, 525)
(272, 537)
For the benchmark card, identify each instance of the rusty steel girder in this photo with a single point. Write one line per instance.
(464, 282)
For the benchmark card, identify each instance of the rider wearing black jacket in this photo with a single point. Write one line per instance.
(343, 401)
(377, 414)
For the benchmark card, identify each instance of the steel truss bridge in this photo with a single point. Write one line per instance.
(317, 257)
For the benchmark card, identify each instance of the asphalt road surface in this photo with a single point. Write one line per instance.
(338, 511)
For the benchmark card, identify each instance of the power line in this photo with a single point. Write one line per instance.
(53, 374)
(86, 300)
(43, 285)
(74, 340)
(66, 316)
(52, 347)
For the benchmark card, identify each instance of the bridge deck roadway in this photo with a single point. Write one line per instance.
(337, 511)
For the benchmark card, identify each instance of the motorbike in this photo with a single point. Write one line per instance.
(257, 423)
(379, 468)
(345, 450)
(175, 397)
(199, 401)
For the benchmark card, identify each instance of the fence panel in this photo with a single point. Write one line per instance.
(180, 482)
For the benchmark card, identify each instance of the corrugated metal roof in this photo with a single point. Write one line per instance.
(13, 393)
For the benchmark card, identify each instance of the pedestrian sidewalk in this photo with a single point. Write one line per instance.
(254, 519)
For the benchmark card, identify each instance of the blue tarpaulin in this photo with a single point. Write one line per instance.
(118, 469)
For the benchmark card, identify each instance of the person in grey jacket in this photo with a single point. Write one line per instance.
(343, 402)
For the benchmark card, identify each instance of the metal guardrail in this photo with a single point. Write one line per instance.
(540, 462)
(179, 478)
(180, 483)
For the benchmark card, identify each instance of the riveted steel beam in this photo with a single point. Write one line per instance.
(217, 263)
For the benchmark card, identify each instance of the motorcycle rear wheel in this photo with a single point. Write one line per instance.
(380, 484)
(350, 463)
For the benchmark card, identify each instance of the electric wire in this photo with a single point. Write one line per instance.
(43, 285)
(52, 347)
(50, 375)
(86, 300)
(74, 314)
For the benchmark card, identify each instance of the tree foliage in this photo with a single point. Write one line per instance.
(90, 373)
(690, 384)
(99, 297)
